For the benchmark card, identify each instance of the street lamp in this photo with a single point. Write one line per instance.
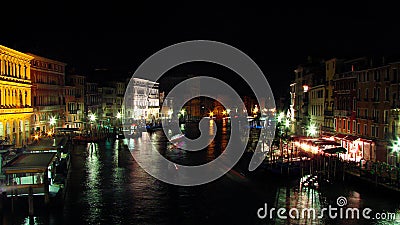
(170, 112)
(211, 114)
(396, 148)
(92, 117)
(287, 123)
(52, 122)
(280, 117)
(119, 115)
(312, 130)
(255, 110)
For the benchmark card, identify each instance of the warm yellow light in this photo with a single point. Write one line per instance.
(36, 137)
(312, 130)
(119, 115)
(255, 110)
(211, 114)
(305, 88)
(49, 133)
(224, 112)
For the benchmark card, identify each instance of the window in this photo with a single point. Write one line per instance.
(386, 94)
(366, 94)
(334, 123)
(358, 129)
(377, 115)
(394, 72)
(348, 126)
(374, 94)
(386, 75)
(378, 91)
(354, 127)
(377, 75)
(365, 129)
(372, 131)
(385, 116)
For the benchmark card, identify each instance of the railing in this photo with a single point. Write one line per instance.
(16, 110)
(48, 107)
(342, 113)
(328, 113)
(14, 79)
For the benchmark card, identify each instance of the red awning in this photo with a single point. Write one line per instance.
(351, 138)
(326, 142)
(340, 136)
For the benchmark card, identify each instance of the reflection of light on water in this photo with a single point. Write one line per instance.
(131, 144)
(211, 130)
(300, 199)
(93, 182)
(182, 127)
(28, 221)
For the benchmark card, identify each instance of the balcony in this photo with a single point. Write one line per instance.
(48, 108)
(395, 113)
(15, 110)
(14, 79)
(342, 113)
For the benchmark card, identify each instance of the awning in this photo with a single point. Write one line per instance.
(340, 136)
(351, 138)
(335, 150)
(326, 142)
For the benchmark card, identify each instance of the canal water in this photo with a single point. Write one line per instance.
(107, 186)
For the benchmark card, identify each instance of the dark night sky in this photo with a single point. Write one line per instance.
(276, 36)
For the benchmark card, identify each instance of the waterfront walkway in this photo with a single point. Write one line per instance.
(377, 173)
(47, 143)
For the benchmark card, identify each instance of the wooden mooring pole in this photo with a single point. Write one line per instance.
(30, 201)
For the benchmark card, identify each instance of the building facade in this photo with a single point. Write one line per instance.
(15, 96)
(93, 99)
(307, 77)
(48, 81)
(142, 100)
(332, 67)
(75, 101)
(316, 106)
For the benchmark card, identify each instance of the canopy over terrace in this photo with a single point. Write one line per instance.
(335, 150)
(315, 145)
(30, 163)
(29, 170)
(358, 148)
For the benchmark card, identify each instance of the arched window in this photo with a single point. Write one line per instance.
(1, 130)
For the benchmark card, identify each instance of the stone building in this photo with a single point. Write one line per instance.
(15, 96)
